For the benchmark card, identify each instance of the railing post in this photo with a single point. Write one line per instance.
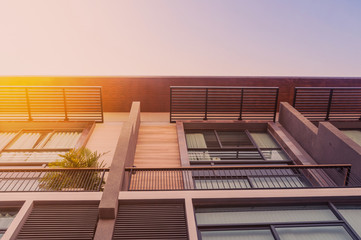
(65, 107)
(101, 103)
(28, 103)
(130, 178)
(276, 101)
(241, 107)
(329, 105)
(170, 104)
(101, 181)
(206, 106)
(347, 176)
(294, 97)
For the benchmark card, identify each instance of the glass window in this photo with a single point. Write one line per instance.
(275, 214)
(5, 138)
(232, 146)
(197, 140)
(27, 140)
(7, 215)
(237, 235)
(45, 140)
(352, 214)
(274, 155)
(355, 135)
(313, 222)
(30, 156)
(31, 146)
(314, 232)
(264, 140)
(234, 139)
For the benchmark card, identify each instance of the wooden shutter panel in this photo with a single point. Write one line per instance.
(60, 221)
(151, 221)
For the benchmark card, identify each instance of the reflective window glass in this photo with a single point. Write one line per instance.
(237, 235)
(314, 232)
(352, 214)
(273, 214)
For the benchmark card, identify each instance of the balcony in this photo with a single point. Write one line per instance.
(238, 178)
(52, 180)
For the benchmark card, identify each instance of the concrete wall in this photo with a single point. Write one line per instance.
(332, 146)
(301, 129)
(326, 144)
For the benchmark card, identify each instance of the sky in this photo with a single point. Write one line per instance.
(180, 38)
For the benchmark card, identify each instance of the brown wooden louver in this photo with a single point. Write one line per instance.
(223, 103)
(151, 221)
(60, 221)
(328, 103)
(51, 103)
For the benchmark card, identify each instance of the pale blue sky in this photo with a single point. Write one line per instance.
(180, 37)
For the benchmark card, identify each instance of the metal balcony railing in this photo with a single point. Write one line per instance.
(245, 177)
(52, 180)
(223, 103)
(328, 103)
(237, 156)
(51, 103)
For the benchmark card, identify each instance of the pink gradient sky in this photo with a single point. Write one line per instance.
(180, 37)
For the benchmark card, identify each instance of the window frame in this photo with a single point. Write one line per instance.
(189, 126)
(3, 208)
(85, 129)
(331, 205)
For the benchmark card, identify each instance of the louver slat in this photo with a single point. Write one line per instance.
(49, 221)
(151, 221)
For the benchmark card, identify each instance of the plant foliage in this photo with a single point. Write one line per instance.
(75, 180)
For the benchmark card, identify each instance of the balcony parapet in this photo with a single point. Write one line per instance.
(52, 179)
(241, 177)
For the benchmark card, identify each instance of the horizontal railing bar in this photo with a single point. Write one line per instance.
(220, 87)
(224, 149)
(37, 150)
(246, 167)
(21, 87)
(266, 224)
(237, 161)
(352, 88)
(51, 169)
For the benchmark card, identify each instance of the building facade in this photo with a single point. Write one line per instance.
(185, 158)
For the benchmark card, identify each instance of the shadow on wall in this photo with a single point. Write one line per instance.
(325, 144)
